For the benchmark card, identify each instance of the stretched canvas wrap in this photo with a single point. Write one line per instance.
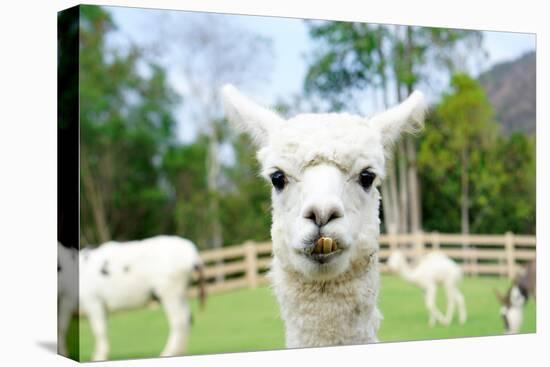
(232, 183)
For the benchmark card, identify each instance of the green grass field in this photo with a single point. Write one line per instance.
(247, 320)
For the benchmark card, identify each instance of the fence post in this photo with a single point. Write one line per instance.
(251, 264)
(435, 240)
(510, 254)
(473, 259)
(419, 245)
(392, 241)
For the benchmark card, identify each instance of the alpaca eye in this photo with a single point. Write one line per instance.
(278, 179)
(366, 178)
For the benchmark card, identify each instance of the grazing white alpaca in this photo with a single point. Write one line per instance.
(325, 169)
(433, 269)
(118, 276)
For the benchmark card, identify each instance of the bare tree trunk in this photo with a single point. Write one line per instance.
(389, 186)
(401, 162)
(418, 196)
(464, 200)
(392, 181)
(387, 206)
(213, 171)
(95, 200)
(403, 192)
(414, 187)
(414, 206)
(387, 199)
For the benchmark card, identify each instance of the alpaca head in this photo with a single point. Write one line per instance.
(396, 261)
(324, 169)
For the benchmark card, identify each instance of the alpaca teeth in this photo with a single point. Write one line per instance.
(318, 246)
(327, 245)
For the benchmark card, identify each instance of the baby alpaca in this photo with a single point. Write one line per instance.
(433, 269)
(324, 169)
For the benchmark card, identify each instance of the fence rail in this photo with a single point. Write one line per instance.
(244, 266)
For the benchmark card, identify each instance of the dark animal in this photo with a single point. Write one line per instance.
(516, 297)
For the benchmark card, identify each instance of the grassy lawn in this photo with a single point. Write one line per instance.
(248, 320)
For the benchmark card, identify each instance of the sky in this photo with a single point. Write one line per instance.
(290, 44)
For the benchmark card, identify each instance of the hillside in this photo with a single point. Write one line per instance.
(511, 87)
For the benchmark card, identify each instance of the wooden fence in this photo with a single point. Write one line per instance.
(244, 266)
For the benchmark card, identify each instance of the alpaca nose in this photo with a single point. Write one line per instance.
(323, 214)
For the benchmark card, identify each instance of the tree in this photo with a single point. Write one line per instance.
(126, 124)
(504, 191)
(185, 172)
(247, 197)
(466, 111)
(497, 192)
(517, 205)
(213, 51)
(355, 61)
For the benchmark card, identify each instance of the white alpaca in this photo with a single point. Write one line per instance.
(118, 276)
(433, 269)
(325, 169)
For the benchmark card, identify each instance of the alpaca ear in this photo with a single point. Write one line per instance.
(249, 117)
(407, 116)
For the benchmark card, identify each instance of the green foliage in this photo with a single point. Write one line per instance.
(245, 208)
(467, 112)
(185, 171)
(353, 57)
(501, 170)
(244, 196)
(126, 124)
(136, 178)
(514, 205)
(346, 60)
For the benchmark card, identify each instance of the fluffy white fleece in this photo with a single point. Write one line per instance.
(432, 270)
(322, 156)
(339, 311)
(125, 275)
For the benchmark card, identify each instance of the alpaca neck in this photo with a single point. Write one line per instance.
(333, 312)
